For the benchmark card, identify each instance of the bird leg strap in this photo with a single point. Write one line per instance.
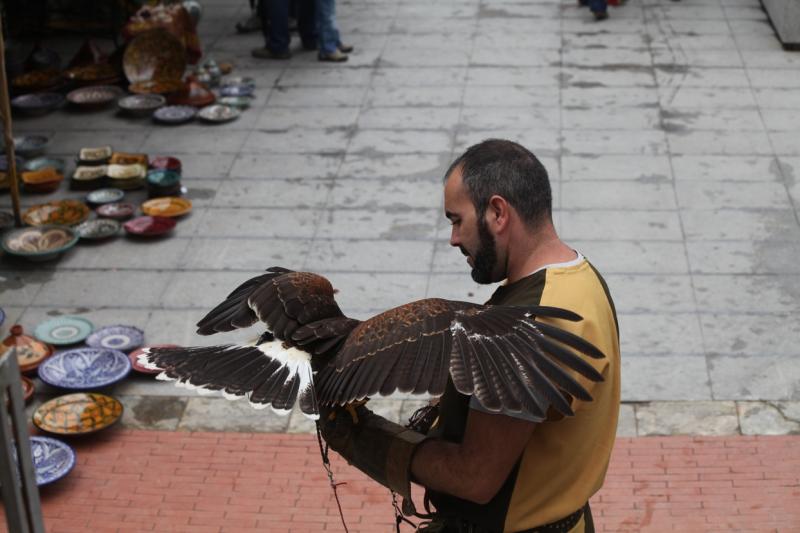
(381, 449)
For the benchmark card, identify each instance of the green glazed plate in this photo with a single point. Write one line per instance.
(63, 330)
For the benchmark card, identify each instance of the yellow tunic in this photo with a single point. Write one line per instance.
(565, 461)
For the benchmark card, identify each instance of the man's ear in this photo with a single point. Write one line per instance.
(498, 213)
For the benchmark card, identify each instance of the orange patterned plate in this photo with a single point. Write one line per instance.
(62, 212)
(78, 413)
(167, 206)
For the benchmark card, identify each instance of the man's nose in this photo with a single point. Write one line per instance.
(454, 238)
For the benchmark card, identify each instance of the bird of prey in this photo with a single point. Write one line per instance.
(312, 354)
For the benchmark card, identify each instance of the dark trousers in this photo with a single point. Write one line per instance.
(275, 23)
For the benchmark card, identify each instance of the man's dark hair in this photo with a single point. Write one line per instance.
(505, 168)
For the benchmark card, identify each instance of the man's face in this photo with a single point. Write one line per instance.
(470, 233)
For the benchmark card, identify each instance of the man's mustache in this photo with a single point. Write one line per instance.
(463, 251)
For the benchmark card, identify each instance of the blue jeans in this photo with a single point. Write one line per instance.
(326, 24)
(598, 6)
(275, 23)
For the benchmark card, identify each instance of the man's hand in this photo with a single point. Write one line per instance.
(337, 424)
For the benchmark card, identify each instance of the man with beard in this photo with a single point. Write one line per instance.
(490, 472)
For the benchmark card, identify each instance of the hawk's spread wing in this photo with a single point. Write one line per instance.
(499, 354)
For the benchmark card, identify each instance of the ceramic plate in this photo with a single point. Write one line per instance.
(37, 103)
(93, 73)
(166, 163)
(30, 356)
(85, 368)
(163, 178)
(98, 228)
(40, 163)
(30, 145)
(28, 388)
(52, 459)
(105, 196)
(94, 96)
(134, 357)
(219, 113)
(63, 212)
(154, 55)
(149, 226)
(117, 211)
(156, 86)
(37, 80)
(168, 206)
(122, 338)
(175, 114)
(78, 413)
(43, 242)
(237, 90)
(141, 104)
(63, 330)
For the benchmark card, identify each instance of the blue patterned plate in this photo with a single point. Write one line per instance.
(237, 90)
(122, 338)
(52, 459)
(63, 330)
(85, 368)
(2, 316)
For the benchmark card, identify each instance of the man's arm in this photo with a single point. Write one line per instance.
(475, 469)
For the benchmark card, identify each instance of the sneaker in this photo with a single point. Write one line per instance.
(600, 15)
(336, 56)
(345, 48)
(266, 53)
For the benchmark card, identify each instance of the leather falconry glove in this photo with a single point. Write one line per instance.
(381, 449)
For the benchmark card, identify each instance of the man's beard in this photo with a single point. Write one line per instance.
(485, 258)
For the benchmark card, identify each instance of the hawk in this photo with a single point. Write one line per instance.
(313, 355)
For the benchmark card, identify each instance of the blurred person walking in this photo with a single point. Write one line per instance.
(330, 44)
(275, 25)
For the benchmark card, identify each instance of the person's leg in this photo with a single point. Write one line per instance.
(599, 8)
(327, 35)
(278, 41)
(307, 24)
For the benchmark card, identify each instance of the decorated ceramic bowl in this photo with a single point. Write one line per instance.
(37, 103)
(126, 172)
(147, 226)
(94, 96)
(44, 180)
(98, 228)
(167, 206)
(44, 162)
(156, 86)
(41, 243)
(90, 173)
(240, 102)
(85, 368)
(52, 459)
(174, 114)
(122, 338)
(95, 155)
(37, 80)
(166, 163)
(93, 74)
(141, 104)
(238, 80)
(218, 113)
(126, 158)
(28, 388)
(237, 90)
(163, 178)
(116, 211)
(78, 413)
(30, 145)
(105, 196)
(62, 212)
(63, 330)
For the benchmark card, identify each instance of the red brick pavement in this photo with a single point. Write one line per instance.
(136, 481)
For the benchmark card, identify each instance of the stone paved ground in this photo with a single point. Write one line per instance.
(136, 481)
(670, 133)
